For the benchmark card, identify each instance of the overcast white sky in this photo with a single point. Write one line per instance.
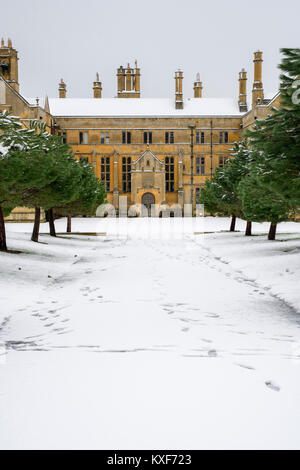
(73, 39)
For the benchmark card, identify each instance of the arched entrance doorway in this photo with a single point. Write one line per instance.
(148, 199)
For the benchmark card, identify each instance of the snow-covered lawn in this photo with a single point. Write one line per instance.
(153, 336)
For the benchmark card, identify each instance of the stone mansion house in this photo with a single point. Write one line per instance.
(151, 150)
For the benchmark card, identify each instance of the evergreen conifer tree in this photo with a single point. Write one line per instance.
(90, 195)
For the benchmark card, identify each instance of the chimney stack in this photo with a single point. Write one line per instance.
(257, 91)
(97, 87)
(137, 79)
(62, 89)
(121, 79)
(128, 79)
(129, 83)
(178, 89)
(243, 91)
(198, 87)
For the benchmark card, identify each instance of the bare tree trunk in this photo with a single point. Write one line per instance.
(272, 231)
(51, 223)
(3, 246)
(232, 225)
(36, 225)
(248, 231)
(69, 223)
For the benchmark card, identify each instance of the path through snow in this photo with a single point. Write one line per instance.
(134, 343)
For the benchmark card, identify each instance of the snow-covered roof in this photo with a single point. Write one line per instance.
(32, 101)
(142, 107)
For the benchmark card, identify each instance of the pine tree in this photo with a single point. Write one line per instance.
(18, 167)
(64, 189)
(220, 194)
(271, 192)
(91, 194)
(36, 170)
(261, 204)
(276, 140)
(56, 162)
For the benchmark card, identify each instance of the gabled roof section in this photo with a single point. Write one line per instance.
(268, 99)
(147, 152)
(15, 92)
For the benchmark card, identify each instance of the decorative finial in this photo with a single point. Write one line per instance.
(135, 62)
(198, 77)
(97, 77)
(2, 42)
(9, 43)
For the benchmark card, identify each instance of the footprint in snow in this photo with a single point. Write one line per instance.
(212, 353)
(213, 315)
(273, 386)
(245, 366)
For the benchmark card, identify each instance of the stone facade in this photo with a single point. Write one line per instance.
(139, 148)
(211, 153)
